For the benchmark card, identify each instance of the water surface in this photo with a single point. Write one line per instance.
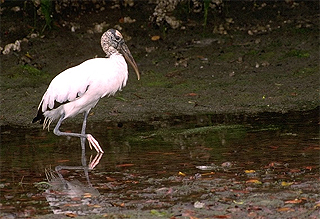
(165, 165)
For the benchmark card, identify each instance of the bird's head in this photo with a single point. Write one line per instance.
(112, 41)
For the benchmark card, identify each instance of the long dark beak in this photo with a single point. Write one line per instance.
(127, 55)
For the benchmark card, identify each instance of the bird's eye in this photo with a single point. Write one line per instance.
(117, 35)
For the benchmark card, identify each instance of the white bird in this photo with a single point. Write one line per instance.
(78, 89)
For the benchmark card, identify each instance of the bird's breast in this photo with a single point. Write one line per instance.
(108, 76)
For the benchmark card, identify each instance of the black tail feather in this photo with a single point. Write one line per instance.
(39, 116)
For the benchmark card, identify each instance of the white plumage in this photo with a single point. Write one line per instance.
(78, 89)
(83, 85)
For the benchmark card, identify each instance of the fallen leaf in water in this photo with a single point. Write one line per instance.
(254, 181)
(207, 174)
(118, 205)
(125, 165)
(132, 181)
(198, 204)
(294, 170)
(110, 179)
(249, 171)
(294, 201)
(71, 205)
(189, 213)
(240, 191)
(205, 167)
(63, 161)
(285, 209)
(286, 183)
(158, 213)
(274, 147)
(222, 216)
(255, 208)
(87, 195)
(71, 215)
(309, 168)
(226, 164)
(94, 206)
(274, 164)
(170, 191)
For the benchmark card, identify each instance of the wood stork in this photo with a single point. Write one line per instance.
(78, 89)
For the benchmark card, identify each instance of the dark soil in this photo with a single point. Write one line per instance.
(187, 71)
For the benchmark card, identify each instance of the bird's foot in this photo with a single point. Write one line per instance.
(95, 162)
(93, 142)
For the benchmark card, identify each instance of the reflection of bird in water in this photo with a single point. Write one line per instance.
(78, 89)
(72, 188)
(69, 196)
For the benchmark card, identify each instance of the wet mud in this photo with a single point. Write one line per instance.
(186, 71)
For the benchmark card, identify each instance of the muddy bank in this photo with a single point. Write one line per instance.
(186, 72)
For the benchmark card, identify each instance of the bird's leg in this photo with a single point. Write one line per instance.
(83, 131)
(84, 161)
(83, 144)
(95, 161)
(84, 124)
(92, 142)
(90, 138)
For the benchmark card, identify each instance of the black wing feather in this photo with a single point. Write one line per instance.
(40, 115)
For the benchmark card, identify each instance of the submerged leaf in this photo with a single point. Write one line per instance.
(286, 183)
(207, 174)
(205, 167)
(71, 215)
(238, 202)
(254, 181)
(285, 209)
(249, 171)
(198, 204)
(158, 213)
(87, 195)
(222, 216)
(294, 201)
(125, 165)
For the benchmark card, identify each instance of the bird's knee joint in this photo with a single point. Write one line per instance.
(56, 132)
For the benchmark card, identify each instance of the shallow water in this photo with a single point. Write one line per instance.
(165, 164)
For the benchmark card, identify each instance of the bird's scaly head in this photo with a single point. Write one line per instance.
(113, 42)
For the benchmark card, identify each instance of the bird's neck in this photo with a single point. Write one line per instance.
(111, 51)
